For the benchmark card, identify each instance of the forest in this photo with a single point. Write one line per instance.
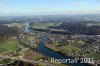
(78, 28)
(6, 32)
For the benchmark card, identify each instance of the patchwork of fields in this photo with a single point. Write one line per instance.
(9, 45)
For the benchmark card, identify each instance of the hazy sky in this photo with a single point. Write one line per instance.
(47, 7)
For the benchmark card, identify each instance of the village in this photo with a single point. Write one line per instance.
(76, 46)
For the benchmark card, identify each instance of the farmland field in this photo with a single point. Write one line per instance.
(44, 25)
(9, 45)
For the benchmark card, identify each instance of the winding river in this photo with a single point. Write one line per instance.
(48, 52)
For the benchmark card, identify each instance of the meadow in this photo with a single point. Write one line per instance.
(9, 45)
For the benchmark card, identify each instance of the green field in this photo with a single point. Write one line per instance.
(78, 43)
(63, 49)
(96, 56)
(44, 25)
(9, 45)
(68, 49)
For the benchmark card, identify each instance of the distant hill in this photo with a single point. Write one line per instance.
(53, 18)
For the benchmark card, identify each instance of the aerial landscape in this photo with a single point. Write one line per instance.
(49, 33)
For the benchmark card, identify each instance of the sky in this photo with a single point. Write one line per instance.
(49, 7)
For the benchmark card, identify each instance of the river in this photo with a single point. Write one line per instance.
(48, 52)
(27, 30)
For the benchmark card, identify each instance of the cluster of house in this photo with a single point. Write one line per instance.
(33, 42)
(91, 41)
